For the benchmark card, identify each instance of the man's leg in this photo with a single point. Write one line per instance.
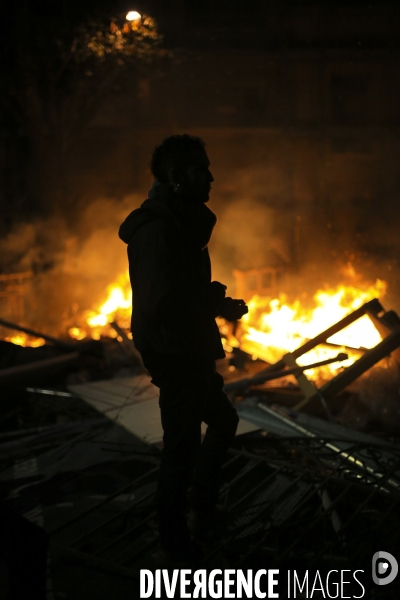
(222, 420)
(180, 406)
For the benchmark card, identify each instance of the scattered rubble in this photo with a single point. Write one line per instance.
(304, 485)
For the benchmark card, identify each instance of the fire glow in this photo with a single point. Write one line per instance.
(22, 339)
(271, 328)
(117, 307)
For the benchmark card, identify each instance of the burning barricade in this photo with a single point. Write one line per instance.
(328, 347)
(332, 486)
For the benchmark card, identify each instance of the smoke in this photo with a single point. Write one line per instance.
(261, 224)
(72, 265)
(75, 259)
(249, 233)
(34, 246)
(95, 252)
(242, 238)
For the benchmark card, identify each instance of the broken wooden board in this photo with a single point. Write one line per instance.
(133, 403)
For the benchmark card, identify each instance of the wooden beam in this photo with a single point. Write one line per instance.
(13, 374)
(350, 374)
(374, 306)
(38, 334)
(128, 344)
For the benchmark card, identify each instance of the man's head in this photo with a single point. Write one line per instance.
(181, 161)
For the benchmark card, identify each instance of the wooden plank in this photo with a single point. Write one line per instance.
(368, 360)
(110, 394)
(124, 386)
(137, 410)
(307, 387)
(38, 367)
(373, 306)
(38, 334)
(128, 344)
(385, 325)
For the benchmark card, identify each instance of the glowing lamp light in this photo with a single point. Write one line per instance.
(133, 16)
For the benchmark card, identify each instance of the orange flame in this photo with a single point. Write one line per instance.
(274, 327)
(22, 339)
(117, 306)
(271, 328)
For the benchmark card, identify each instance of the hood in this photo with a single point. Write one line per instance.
(151, 208)
(196, 218)
(154, 207)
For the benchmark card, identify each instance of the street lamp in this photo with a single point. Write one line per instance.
(133, 15)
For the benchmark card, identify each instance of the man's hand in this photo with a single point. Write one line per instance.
(217, 291)
(232, 309)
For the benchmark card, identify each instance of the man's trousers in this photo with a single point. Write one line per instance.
(186, 400)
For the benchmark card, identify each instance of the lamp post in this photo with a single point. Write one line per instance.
(133, 15)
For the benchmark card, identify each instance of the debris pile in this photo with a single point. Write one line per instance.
(305, 486)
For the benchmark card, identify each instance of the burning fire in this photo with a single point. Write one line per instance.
(273, 327)
(21, 339)
(117, 307)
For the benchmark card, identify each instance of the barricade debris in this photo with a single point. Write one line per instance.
(301, 489)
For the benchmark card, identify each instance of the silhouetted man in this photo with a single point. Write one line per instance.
(173, 325)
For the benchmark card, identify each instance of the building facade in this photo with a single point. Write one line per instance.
(298, 103)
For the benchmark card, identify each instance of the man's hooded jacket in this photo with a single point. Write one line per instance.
(174, 302)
